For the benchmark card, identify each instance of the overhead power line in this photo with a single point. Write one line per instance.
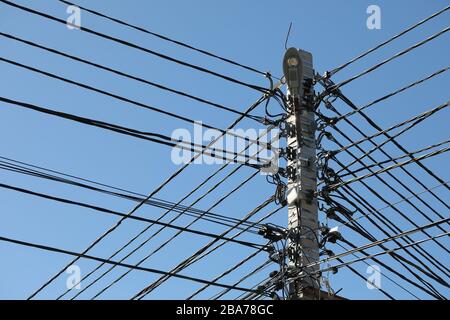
(407, 172)
(362, 55)
(135, 46)
(85, 256)
(375, 243)
(137, 218)
(227, 272)
(129, 195)
(383, 219)
(425, 156)
(193, 257)
(172, 238)
(160, 36)
(123, 74)
(343, 264)
(256, 270)
(399, 54)
(409, 86)
(149, 136)
(394, 159)
(382, 273)
(112, 95)
(151, 194)
(414, 120)
(237, 221)
(395, 203)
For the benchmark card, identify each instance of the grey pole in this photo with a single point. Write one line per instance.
(301, 172)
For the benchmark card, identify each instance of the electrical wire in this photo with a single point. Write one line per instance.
(149, 136)
(166, 242)
(413, 121)
(151, 194)
(364, 54)
(386, 221)
(389, 251)
(112, 95)
(381, 273)
(123, 74)
(395, 159)
(397, 202)
(383, 181)
(160, 36)
(399, 146)
(137, 218)
(190, 259)
(172, 220)
(253, 272)
(135, 46)
(425, 156)
(394, 93)
(189, 211)
(227, 272)
(382, 241)
(397, 55)
(85, 256)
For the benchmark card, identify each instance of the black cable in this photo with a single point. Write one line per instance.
(391, 226)
(151, 194)
(399, 54)
(378, 242)
(402, 247)
(395, 229)
(253, 272)
(430, 273)
(135, 46)
(191, 259)
(412, 121)
(211, 217)
(149, 136)
(85, 256)
(373, 124)
(397, 202)
(387, 221)
(394, 93)
(137, 218)
(396, 158)
(160, 36)
(123, 74)
(383, 274)
(398, 145)
(207, 249)
(112, 95)
(166, 242)
(425, 156)
(394, 271)
(383, 219)
(227, 272)
(336, 70)
(407, 172)
(237, 221)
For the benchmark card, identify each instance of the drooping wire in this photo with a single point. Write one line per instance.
(364, 54)
(151, 194)
(123, 74)
(135, 46)
(85, 256)
(160, 36)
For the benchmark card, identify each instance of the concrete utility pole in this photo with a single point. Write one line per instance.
(301, 173)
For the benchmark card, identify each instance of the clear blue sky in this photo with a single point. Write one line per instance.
(251, 32)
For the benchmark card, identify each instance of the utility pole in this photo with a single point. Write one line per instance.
(303, 219)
